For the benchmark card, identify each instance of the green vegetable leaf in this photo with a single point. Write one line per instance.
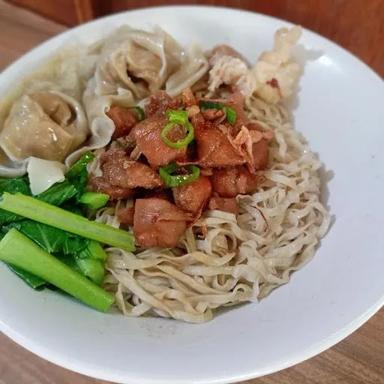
(32, 280)
(80, 165)
(48, 214)
(51, 239)
(18, 184)
(16, 249)
(78, 174)
(93, 269)
(59, 193)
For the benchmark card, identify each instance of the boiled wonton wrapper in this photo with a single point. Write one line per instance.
(101, 126)
(132, 65)
(136, 60)
(276, 72)
(47, 124)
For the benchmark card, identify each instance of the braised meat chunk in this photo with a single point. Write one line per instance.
(193, 197)
(160, 102)
(226, 204)
(148, 138)
(158, 223)
(214, 148)
(124, 120)
(125, 215)
(231, 182)
(260, 154)
(99, 184)
(120, 171)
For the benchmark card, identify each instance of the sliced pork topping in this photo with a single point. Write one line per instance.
(226, 204)
(260, 154)
(150, 143)
(99, 184)
(119, 170)
(160, 102)
(158, 223)
(125, 215)
(214, 148)
(124, 120)
(194, 196)
(234, 181)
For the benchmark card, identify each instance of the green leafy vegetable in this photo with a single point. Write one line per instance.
(94, 200)
(42, 212)
(78, 174)
(79, 253)
(17, 250)
(59, 193)
(18, 184)
(33, 281)
(81, 164)
(51, 239)
(93, 269)
(93, 251)
(90, 262)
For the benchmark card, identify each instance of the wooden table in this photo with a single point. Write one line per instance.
(357, 359)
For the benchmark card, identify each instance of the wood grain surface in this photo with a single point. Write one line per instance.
(359, 359)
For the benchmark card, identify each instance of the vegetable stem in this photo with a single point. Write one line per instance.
(17, 250)
(94, 200)
(59, 218)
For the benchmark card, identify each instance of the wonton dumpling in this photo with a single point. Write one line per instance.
(137, 61)
(276, 73)
(101, 126)
(47, 125)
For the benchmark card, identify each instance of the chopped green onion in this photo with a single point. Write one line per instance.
(139, 113)
(230, 113)
(171, 181)
(175, 118)
(94, 200)
(21, 252)
(59, 218)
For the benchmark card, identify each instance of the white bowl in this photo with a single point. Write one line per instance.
(341, 113)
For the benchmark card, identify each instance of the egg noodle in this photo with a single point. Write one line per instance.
(224, 260)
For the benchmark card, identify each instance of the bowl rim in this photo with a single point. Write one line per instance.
(59, 358)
